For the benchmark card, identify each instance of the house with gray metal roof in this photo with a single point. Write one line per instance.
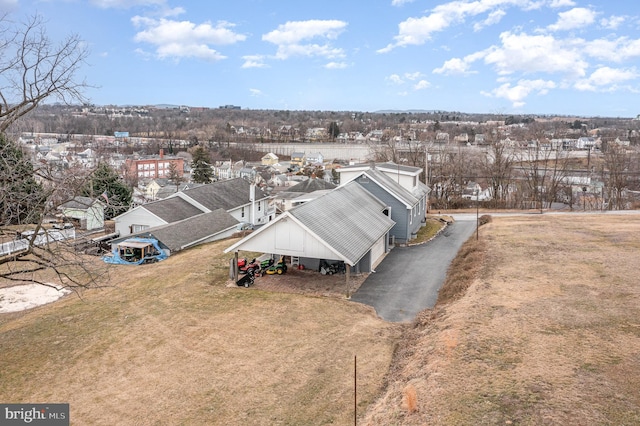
(398, 185)
(347, 225)
(407, 210)
(188, 232)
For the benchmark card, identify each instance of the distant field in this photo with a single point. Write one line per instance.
(169, 343)
(547, 333)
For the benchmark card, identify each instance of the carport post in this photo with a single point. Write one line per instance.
(235, 267)
(348, 270)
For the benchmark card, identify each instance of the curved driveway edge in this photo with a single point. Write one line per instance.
(408, 279)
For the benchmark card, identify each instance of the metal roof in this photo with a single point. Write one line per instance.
(172, 209)
(224, 194)
(188, 232)
(391, 186)
(349, 219)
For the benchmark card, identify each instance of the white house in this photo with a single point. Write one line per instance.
(87, 212)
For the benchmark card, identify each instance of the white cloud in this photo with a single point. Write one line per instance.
(336, 65)
(254, 61)
(453, 66)
(614, 50)
(126, 4)
(613, 22)
(531, 54)
(421, 85)
(517, 93)
(395, 79)
(400, 2)
(493, 18)
(184, 39)
(606, 79)
(578, 17)
(413, 75)
(417, 31)
(562, 3)
(297, 31)
(255, 92)
(289, 37)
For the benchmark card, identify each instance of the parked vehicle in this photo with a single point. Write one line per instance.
(327, 268)
(245, 267)
(278, 268)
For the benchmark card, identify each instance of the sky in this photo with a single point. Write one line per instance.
(568, 57)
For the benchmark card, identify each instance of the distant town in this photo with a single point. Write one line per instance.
(546, 160)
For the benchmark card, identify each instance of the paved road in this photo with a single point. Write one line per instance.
(408, 279)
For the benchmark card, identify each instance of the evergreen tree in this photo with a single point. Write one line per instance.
(201, 171)
(22, 199)
(106, 183)
(334, 130)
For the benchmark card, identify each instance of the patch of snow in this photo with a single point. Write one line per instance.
(21, 297)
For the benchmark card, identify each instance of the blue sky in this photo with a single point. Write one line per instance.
(495, 56)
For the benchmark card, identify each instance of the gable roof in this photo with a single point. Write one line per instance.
(347, 220)
(80, 203)
(191, 231)
(391, 186)
(172, 209)
(225, 194)
(311, 185)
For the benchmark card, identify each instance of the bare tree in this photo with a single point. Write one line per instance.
(34, 68)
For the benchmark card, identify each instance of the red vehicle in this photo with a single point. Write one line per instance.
(245, 267)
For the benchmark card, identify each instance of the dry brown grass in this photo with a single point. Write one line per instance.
(169, 343)
(547, 333)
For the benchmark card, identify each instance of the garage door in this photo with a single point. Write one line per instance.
(377, 251)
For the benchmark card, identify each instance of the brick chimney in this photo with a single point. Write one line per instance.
(161, 153)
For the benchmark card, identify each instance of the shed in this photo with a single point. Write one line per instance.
(85, 211)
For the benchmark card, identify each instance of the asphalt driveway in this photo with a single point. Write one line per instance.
(408, 279)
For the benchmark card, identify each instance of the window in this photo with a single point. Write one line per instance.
(138, 228)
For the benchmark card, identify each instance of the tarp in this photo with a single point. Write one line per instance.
(115, 258)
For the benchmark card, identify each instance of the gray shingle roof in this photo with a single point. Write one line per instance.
(172, 209)
(311, 185)
(393, 187)
(185, 233)
(224, 194)
(348, 218)
(80, 203)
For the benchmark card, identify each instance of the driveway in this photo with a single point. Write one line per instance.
(408, 279)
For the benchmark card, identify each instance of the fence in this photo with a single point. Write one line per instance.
(44, 237)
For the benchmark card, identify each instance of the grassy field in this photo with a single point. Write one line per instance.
(541, 326)
(171, 344)
(538, 323)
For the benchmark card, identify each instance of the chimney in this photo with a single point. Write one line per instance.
(161, 153)
(372, 165)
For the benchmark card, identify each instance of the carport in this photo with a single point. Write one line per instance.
(347, 224)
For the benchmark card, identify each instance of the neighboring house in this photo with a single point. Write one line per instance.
(474, 191)
(407, 210)
(270, 159)
(406, 177)
(347, 224)
(239, 198)
(87, 213)
(285, 200)
(315, 158)
(297, 159)
(188, 232)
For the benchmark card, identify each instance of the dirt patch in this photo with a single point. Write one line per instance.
(312, 283)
